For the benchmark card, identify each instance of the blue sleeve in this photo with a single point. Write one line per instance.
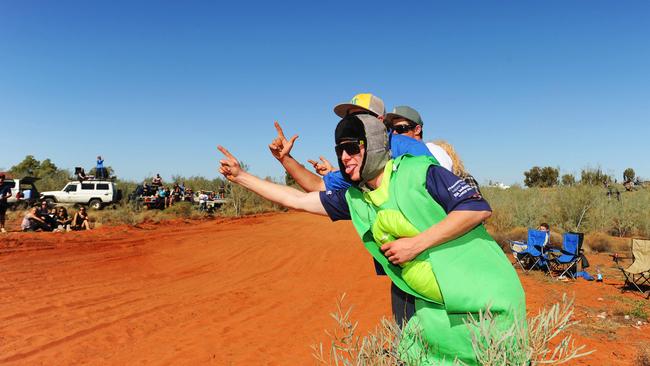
(400, 145)
(452, 193)
(335, 204)
(335, 181)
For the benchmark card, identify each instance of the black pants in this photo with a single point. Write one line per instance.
(402, 304)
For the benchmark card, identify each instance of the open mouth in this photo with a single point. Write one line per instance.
(350, 168)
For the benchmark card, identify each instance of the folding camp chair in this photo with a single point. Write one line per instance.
(530, 255)
(566, 259)
(638, 273)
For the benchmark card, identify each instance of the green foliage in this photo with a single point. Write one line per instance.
(583, 208)
(541, 177)
(629, 174)
(594, 177)
(568, 180)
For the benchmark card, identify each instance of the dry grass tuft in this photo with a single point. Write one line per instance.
(521, 344)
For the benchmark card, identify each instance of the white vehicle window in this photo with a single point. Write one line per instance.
(71, 188)
(87, 186)
(102, 186)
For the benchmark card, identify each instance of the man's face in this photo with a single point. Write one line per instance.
(351, 154)
(402, 126)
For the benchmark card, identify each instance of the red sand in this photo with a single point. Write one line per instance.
(253, 291)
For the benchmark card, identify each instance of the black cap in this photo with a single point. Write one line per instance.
(349, 128)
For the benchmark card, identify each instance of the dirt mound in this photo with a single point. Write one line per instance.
(243, 292)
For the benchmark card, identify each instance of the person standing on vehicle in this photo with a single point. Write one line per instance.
(5, 192)
(100, 170)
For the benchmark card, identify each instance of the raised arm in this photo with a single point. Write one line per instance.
(283, 195)
(281, 148)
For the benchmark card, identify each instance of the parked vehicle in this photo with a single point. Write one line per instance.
(94, 193)
(23, 192)
(211, 203)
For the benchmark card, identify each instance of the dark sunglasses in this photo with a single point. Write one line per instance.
(400, 129)
(350, 147)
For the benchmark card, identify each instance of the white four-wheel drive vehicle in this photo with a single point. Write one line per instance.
(94, 193)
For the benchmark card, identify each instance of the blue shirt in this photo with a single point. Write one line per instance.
(447, 189)
(399, 145)
(100, 164)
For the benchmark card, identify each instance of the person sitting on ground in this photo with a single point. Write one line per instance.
(157, 181)
(5, 193)
(80, 220)
(33, 222)
(63, 221)
(45, 213)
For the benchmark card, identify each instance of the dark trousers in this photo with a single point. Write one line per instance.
(402, 304)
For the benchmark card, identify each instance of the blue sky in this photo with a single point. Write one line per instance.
(154, 86)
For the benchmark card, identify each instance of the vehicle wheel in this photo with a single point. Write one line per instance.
(95, 204)
(50, 202)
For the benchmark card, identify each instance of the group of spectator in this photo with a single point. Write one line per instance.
(43, 218)
(166, 195)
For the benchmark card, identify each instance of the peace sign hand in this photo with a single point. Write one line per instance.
(323, 167)
(230, 167)
(280, 146)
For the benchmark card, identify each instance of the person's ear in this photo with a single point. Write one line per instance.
(418, 130)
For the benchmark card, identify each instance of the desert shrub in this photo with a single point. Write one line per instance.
(180, 209)
(599, 242)
(524, 343)
(582, 208)
(643, 355)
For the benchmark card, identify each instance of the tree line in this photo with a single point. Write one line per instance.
(544, 177)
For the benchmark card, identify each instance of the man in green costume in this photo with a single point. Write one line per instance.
(434, 217)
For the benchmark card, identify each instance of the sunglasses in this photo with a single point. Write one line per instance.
(350, 147)
(400, 129)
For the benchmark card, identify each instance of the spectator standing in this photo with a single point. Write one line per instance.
(5, 192)
(100, 170)
(157, 181)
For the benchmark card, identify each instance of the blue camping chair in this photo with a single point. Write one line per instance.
(530, 255)
(566, 259)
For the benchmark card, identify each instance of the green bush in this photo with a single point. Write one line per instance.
(582, 208)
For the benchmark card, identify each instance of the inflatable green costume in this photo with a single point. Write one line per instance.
(467, 274)
(471, 271)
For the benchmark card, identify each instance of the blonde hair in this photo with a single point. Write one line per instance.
(457, 166)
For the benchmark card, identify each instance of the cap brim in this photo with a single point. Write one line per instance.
(391, 116)
(341, 110)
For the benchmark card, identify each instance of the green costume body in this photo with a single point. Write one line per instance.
(469, 273)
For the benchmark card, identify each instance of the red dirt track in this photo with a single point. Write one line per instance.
(252, 291)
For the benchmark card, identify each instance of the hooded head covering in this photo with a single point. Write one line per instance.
(372, 132)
